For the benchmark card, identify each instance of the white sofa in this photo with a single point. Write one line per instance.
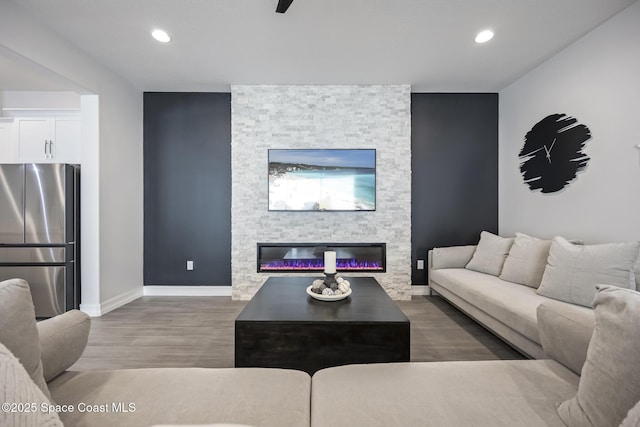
(440, 394)
(126, 397)
(586, 374)
(506, 308)
(509, 393)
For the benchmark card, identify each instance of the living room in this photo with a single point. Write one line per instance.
(454, 161)
(574, 212)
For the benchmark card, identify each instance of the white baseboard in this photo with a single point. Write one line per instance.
(97, 310)
(188, 291)
(419, 289)
(92, 310)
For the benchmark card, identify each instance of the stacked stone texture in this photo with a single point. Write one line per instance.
(320, 117)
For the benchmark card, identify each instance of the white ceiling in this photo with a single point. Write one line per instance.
(425, 43)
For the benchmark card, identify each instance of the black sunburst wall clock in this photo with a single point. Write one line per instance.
(552, 153)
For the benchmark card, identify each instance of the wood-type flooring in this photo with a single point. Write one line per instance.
(199, 332)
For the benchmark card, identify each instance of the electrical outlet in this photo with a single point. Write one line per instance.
(420, 264)
(189, 265)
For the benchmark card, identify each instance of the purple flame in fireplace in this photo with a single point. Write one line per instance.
(299, 257)
(318, 264)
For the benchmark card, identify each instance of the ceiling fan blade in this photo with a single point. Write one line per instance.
(283, 5)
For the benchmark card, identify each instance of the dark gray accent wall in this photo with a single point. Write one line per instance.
(187, 174)
(454, 162)
(187, 188)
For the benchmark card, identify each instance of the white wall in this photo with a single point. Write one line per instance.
(112, 159)
(597, 81)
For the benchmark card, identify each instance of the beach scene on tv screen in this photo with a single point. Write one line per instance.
(317, 180)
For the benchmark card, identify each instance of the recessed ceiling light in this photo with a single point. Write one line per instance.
(161, 36)
(484, 36)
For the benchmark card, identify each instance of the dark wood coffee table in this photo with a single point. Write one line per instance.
(283, 327)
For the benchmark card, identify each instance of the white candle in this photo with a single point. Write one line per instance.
(330, 262)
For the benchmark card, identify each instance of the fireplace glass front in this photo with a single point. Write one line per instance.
(305, 257)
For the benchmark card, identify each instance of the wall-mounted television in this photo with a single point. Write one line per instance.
(322, 180)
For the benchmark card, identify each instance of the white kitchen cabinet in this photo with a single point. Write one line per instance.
(33, 139)
(6, 140)
(48, 139)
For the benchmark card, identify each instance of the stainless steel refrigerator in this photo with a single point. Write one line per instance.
(40, 232)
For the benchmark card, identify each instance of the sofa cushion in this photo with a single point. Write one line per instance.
(565, 331)
(633, 417)
(512, 304)
(520, 393)
(526, 261)
(610, 381)
(18, 330)
(574, 270)
(17, 388)
(490, 253)
(252, 396)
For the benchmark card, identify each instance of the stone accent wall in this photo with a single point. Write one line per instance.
(265, 117)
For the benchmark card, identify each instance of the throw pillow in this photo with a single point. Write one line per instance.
(18, 330)
(452, 256)
(573, 271)
(526, 261)
(490, 254)
(633, 417)
(22, 400)
(610, 381)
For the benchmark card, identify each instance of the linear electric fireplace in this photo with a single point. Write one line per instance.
(305, 257)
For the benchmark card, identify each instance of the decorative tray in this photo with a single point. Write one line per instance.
(328, 297)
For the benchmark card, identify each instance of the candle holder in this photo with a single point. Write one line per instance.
(330, 281)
